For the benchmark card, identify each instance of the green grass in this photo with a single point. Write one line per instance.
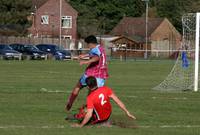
(25, 107)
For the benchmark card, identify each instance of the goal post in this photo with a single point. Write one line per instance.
(185, 73)
(196, 74)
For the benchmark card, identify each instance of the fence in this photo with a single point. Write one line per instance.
(65, 43)
(111, 52)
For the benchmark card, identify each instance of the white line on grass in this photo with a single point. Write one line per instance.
(172, 126)
(65, 126)
(173, 98)
(40, 127)
(154, 98)
(59, 91)
(53, 91)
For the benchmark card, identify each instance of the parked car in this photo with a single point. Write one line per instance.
(57, 52)
(6, 52)
(29, 51)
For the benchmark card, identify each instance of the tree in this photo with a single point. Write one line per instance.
(101, 16)
(13, 15)
(174, 10)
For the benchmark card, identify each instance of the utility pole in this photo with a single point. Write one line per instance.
(147, 14)
(60, 37)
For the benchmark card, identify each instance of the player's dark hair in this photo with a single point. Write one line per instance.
(91, 39)
(91, 82)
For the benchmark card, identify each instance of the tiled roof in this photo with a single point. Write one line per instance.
(135, 26)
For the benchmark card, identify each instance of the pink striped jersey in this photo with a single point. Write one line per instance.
(98, 69)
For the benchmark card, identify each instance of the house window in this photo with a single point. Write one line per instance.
(138, 47)
(67, 37)
(67, 22)
(44, 19)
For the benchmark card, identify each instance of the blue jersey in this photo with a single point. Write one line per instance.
(95, 51)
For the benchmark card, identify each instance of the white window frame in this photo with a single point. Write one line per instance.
(67, 36)
(67, 17)
(47, 21)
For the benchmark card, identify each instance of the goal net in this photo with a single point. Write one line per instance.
(184, 75)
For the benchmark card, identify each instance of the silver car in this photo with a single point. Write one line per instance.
(6, 52)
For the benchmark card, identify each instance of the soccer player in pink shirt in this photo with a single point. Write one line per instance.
(97, 67)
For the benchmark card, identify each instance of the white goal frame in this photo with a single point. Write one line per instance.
(186, 77)
(196, 74)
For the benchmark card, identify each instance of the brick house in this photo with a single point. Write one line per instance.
(162, 35)
(46, 19)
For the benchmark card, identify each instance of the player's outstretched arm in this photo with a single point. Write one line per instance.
(82, 56)
(122, 106)
(86, 118)
(88, 62)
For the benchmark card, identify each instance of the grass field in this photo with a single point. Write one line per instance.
(33, 94)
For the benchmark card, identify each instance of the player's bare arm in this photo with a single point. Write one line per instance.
(88, 62)
(82, 56)
(86, 119)
(122, 106)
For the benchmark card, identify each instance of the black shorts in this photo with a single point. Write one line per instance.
(94, 119)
